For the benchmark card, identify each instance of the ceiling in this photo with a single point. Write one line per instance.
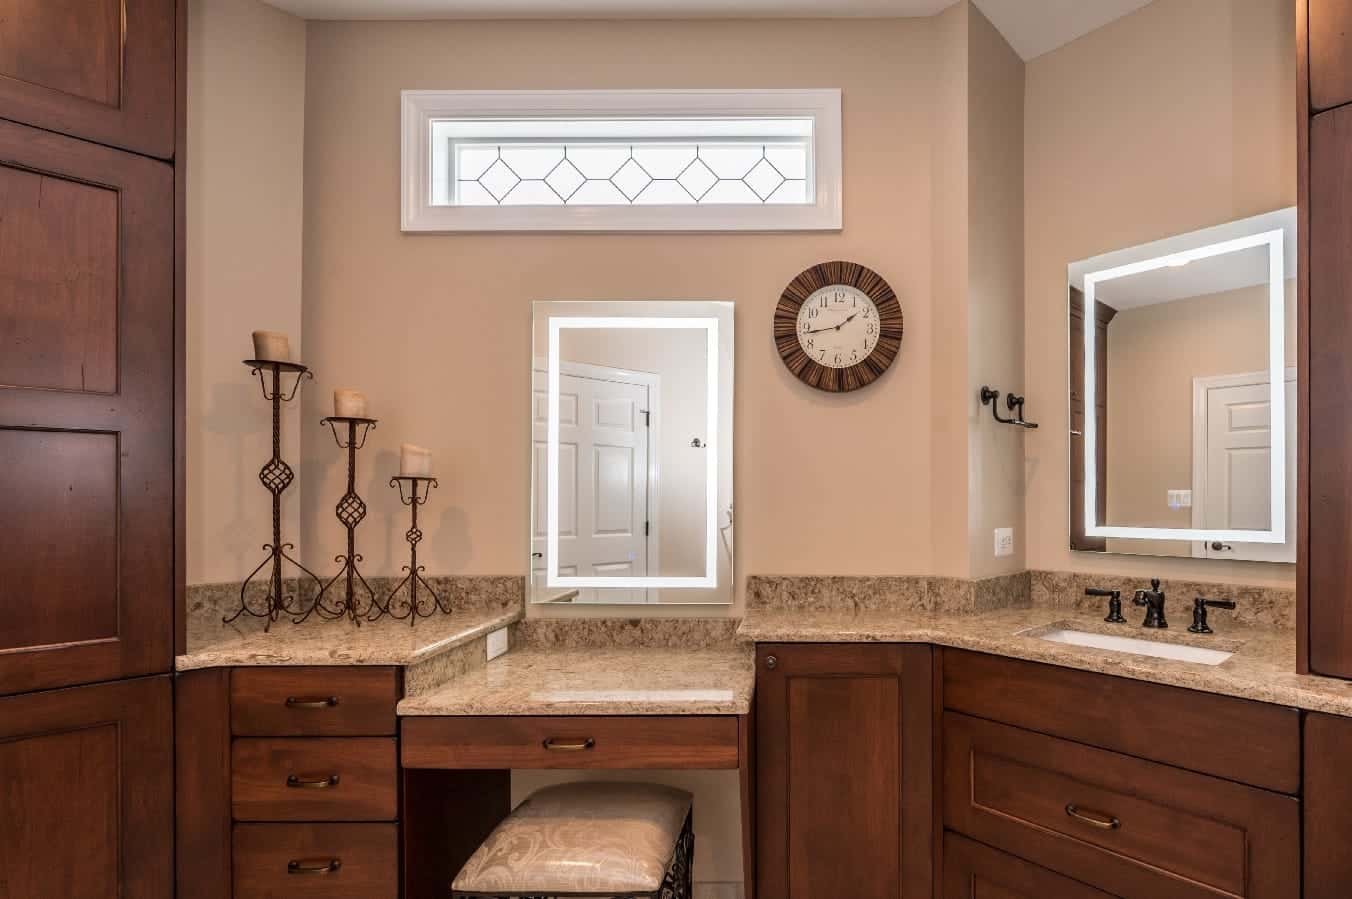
(1032, 27)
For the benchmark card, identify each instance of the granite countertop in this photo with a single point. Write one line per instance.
(1263, 666)
(212, 644)
(592, 681)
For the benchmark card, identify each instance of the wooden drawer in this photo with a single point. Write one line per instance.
(318, 779)
(1251, 742)
(974, 871)
(316, 861)
(696, 741)
(313, 702)
(1137, 828)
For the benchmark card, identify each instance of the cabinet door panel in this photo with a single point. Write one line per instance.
(101, 70)
(834, 730)
(87, 780)
(974, 871)
(1330, 53)
(1330, 427)
(86, 418)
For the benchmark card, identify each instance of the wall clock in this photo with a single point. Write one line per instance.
(838, 326)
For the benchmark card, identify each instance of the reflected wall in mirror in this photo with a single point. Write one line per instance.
(631, 461)
(1183, 395)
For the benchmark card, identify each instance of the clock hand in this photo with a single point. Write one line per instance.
(836, 327)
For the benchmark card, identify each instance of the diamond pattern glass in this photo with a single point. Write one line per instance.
(649, 173)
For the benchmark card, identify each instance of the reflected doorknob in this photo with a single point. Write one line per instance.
(1218, 546)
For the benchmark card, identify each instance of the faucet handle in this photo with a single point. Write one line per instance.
(1199, 606)
(1114, 603)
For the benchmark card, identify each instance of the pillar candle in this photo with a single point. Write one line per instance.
(272, 346)
(349, 404)
(415, 461)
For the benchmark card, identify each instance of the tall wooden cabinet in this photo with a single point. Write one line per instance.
(88, 386)
(843, 771)
(1324, 579)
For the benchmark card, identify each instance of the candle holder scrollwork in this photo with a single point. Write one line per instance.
(418, 491)
(276, 476)
(350, 434)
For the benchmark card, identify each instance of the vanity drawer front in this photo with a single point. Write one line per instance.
(1251, 742)
(1134, 827)
(696, 741)
(313, 702)
(317, 779)
(316, 861)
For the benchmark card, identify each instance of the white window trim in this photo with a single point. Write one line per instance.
(420, 108)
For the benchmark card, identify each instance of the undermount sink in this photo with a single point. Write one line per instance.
(1175, 651)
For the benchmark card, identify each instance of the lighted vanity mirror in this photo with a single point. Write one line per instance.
(631, 461)
(1183, 395)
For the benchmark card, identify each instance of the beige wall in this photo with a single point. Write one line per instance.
(436, 328)
(1168, 120)
(245, 136)
(948, 419)
(995, 356)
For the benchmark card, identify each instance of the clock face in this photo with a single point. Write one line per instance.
(838, 326)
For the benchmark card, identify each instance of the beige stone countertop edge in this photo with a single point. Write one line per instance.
(384, 642)
(1262, 668)
(592, 681)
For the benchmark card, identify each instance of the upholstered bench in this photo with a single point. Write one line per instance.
(620, 840)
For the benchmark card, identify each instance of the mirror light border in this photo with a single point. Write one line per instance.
(1274, 240)
(556, 326)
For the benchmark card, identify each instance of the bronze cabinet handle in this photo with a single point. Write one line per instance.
(317, 783)
(310, 702)
(313, 865)
(1101, 820)
(556, 744)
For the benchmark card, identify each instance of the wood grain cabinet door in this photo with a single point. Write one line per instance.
(86, 787)
(86, 412)
(833, 734)
(975, 871)
(101, 70)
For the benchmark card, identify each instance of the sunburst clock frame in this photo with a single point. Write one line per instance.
(838, 326)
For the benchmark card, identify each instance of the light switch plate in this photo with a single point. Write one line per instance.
(497, 643)
(1004, 542)
(1180, 499)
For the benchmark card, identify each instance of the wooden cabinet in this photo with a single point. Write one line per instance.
(1330, 48)
(86, 410)
(974, 871)
(101, 70)
(843, 771)
(1328, 593)
(1114, 821)
(86, 776)
(1326, 803)
(1137, 789)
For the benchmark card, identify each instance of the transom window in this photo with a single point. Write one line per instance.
(621, 160)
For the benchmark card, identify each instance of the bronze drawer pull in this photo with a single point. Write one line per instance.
(308, 702)
(554, 744)
(313, 865)
(1101, 820)
(319, 783)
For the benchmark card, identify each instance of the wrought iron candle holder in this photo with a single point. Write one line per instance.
(276, 476)
(419, 489)
(350, 511)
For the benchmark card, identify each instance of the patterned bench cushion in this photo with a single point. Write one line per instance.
(581, 838)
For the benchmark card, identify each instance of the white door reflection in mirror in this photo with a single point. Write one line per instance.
(631, 452)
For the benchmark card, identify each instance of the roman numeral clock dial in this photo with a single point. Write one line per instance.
(838, 326)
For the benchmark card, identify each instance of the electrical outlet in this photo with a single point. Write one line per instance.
(1004, 542)
(497, 643)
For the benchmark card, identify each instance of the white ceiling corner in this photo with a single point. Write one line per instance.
(1035, 27)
